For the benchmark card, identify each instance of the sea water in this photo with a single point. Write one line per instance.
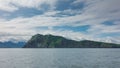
(60, 58)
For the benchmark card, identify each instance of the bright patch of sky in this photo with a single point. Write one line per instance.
(97, 20)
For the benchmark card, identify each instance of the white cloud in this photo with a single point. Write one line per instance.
(13, 5)
(78, 1)
(51, 13)
(93, 14)
(14, 38)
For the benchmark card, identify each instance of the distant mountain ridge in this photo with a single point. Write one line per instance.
(10, 44)
(51, 41)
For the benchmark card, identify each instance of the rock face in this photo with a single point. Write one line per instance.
(50, 41)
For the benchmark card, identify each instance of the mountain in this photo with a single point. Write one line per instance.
(10, 44)
(50, 41)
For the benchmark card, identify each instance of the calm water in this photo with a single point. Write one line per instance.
(60, 58)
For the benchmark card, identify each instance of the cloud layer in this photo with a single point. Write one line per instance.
(97, 20)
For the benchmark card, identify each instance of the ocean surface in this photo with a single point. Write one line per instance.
(60, 58)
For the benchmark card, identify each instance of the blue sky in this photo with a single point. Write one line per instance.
(97, 20)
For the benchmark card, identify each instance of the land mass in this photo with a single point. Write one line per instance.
(51, 41)
(10, 44)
